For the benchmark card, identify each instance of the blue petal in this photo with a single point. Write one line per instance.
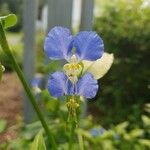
(101, 131)
(87, 86)
(58, 43)
(59, 85)
(94, 132)
(89, 46)
(36, 82)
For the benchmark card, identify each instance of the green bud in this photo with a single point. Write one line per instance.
(72, 106)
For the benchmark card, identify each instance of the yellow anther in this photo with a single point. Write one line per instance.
(72, 70)
(72, 66)
(72, 104)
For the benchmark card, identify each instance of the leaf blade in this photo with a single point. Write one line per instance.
(9, 20)
(38, 143)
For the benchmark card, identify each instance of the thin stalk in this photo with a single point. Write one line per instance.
(6, 49)
(80, 139)
(72, 129)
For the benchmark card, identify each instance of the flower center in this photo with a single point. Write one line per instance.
(72, 69)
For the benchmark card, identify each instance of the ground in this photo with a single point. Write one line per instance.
(10, 104)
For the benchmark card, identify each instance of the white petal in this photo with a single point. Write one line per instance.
(99, 67)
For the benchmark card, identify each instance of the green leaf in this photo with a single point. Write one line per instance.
(52, 105)
(136, 133)
(147, 107)
(99, 67)
(121, 128)
(145, 142)
(3, 124)
(146, 120)
(9, 21)
(38, 143)
(1, 70)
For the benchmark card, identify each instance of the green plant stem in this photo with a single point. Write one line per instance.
(72, 129)
(6, 49)
(80, 139)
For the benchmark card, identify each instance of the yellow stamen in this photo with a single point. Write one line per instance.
(72, 104)
(72, 66)
(72, 70)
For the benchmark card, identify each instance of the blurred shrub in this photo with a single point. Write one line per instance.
(125, 28)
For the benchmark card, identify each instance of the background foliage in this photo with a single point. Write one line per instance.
(125, 28)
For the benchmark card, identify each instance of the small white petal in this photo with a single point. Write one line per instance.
(99, 67)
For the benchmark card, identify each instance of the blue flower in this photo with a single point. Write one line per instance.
(94, 132)
(59, 85)
(101, 131)
(97, 131)
(36, 82)
(59, 44)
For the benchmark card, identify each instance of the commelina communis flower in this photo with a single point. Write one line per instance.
(86, 45)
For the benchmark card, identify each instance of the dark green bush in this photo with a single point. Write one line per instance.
(125, 28)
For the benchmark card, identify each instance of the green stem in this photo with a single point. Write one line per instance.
(72, 129)
(6, 49)
(80, 139)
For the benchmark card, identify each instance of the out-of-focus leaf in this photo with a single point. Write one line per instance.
(31, 130)
(9, 21)
(3, 124)
(147, 107)
(136, 133)
(146, 120)
(99, 67)
(38, 143)
(52, 105)
(1, 70)
(46, 95)
(145, 142)
(120, 128)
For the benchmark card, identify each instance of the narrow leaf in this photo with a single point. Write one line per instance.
(38, 143)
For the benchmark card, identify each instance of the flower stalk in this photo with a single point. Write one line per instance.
(72, 131)
(6, 49)
(73, 107)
